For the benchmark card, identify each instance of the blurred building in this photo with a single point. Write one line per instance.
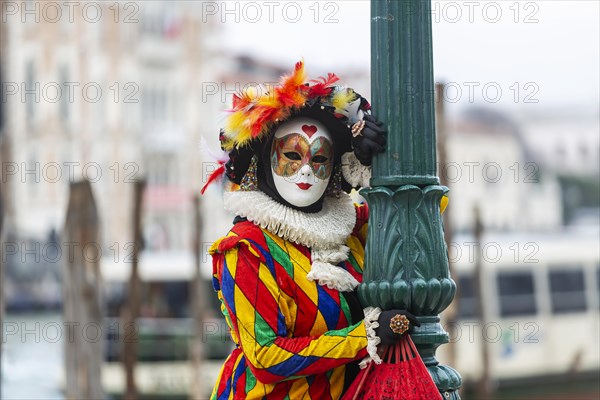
(491, 166)
(565, 144)
(530, 272)
(110, 92)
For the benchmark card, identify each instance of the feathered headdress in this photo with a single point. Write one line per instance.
(253, 114)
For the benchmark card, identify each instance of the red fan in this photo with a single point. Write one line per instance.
(401, 376)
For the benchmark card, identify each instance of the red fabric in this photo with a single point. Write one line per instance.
(402, 376)
(362, 217)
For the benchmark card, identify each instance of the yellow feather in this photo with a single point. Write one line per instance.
(268, 100)
(234, 124)
(251, 92)
(244, 135)
(341, 99)
(228, 145)
(296, 78)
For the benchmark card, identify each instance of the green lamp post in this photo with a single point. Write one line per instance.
(406, 264)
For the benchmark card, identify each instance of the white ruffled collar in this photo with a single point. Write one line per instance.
(324, 232)
(325, 229)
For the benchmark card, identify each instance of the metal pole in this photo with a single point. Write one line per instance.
(406, 261)
(451, 314)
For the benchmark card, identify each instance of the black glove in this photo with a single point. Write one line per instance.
(371, 141)
(385, 333)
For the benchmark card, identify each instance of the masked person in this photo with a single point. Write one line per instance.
(287, 271)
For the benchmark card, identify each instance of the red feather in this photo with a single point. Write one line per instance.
(265, 116)
(319, 90)
(236, 101)
(322, 86)
(330, 80)
(213, 177)
(289, 97)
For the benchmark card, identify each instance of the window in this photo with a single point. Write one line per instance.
(161, 169)
(154, 105)
(598, 282)
(31, 174)
(146, 112)
(467, 302)
(567, 290)
(161, 20)
(30, 92)
(516, 291)
(64, 100)
(3, 104)
(583, 150)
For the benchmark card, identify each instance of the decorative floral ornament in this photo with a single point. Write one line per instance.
(399, 324)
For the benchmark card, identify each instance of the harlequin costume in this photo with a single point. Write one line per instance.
(286, 273)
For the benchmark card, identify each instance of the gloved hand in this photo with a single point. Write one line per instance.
(385, 333)
(371, 140)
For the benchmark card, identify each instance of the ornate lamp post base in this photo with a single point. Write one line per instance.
(408, 267)
(406, 260)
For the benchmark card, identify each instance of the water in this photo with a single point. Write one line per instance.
(32, 357)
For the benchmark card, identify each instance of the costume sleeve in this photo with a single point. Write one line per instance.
(257, 308)
(362, 218)
(444, 203)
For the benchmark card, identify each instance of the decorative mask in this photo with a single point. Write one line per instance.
(301, 161)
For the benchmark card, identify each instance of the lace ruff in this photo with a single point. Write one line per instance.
(354, 172)
(371, 318)
(325, 232)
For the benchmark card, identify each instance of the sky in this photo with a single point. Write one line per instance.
(518, 54)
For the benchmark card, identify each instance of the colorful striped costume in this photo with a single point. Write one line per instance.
(295, 338)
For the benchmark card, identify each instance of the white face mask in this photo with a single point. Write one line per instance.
(301, 161)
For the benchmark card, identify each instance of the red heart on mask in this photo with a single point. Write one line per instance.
(309, 129)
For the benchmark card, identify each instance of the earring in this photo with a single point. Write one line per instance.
(249, 182)
(334, 189)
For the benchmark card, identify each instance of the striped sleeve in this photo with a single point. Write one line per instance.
(362, 218)
(251, 293)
